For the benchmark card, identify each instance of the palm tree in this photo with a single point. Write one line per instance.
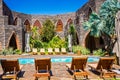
(103, 24)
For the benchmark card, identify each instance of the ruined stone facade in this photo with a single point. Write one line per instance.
(14, 25)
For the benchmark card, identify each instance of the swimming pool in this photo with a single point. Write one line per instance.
(55, 59)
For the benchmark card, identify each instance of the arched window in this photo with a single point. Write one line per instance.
(59, 26)
(27, 26)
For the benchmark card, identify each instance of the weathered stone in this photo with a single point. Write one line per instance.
(13, 23)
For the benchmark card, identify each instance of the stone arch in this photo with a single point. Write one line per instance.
(15, 21)
(27, 25)
(37, 24)
(93, 43)
(13, 41)
(59, 26)
(70, 21)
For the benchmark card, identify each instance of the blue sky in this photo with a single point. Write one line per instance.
(45, 6)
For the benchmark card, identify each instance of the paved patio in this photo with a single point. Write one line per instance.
(58, 72)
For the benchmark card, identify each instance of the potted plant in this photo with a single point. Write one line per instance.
(81, 50)
(76, 49)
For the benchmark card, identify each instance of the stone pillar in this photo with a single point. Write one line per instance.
(27, 40)
(70, 43)
(117, 45)
(2, 32)
(20, 33)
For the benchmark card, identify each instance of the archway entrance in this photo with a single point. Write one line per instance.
(12, 42)
(93, 43)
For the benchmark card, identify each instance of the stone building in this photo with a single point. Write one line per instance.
(15, 26)
(82, 15)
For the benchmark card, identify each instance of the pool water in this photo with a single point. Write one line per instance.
(55, 59)
(61, 59)
(26, 60)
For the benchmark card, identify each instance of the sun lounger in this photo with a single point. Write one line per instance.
(42, 51)
(57, 51)
(104, 66)
(50, 51)
(43, 67)
(78, 67)
(11, 69)
(34, 51)
(63, 51)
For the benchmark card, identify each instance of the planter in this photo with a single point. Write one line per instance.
(79, 52)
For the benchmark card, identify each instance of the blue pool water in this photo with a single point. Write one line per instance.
(55, 59)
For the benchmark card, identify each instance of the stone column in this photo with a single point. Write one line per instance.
(117, 45)
(27, 40)
(2, 31)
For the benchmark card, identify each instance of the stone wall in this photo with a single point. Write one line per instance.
(64, 18)
(2, 33)
(13, 22)
(82, 15)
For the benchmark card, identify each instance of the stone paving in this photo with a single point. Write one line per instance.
(59, 71)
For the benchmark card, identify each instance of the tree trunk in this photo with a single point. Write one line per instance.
(109, 43)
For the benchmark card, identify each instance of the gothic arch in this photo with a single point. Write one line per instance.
(13, 41)
(59, 26)
(37, 24)
(70, 21)
(15, 21)
(93, 43)
(27, 26)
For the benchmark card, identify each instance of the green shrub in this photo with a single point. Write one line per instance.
(17, 51)
(57, 42)
(85, 51)
(82, 49)
(37, 44)
(8, 51)
(11, 51)
(99, 52)
(45, 45)
(76, 48)
(4, 52)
